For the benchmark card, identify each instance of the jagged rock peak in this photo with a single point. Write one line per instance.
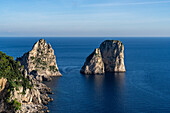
(40, 61)
(42, 47)
(109, 57)
(94, 63)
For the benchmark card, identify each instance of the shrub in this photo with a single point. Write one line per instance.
(38, 60)
(32, 58)
(16, 104)
(52, 68)
(10, 69)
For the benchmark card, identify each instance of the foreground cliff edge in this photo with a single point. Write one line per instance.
(21, 89)
(109, 57)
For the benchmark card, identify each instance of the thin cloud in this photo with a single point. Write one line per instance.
(125, 4)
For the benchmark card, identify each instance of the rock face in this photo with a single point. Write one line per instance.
(2, 83)
(40, 61)
(109, 57)
(33, 100)
(94, 63)
(21, 88)
(3, 93)
(113, 56)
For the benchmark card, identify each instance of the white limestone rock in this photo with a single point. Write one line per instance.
(93, 64)
(2, 83)
(40, 61)
(113, 55)
(33, 99)
(109, 57)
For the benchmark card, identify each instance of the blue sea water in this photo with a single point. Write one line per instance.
(144, 88)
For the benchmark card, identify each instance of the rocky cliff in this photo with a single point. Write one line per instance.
(20, 92)
(21, 88)
(22, 100)
(3, 92)
(40, 61)
(109, 57)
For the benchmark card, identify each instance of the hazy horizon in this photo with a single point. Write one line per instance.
(80, 18)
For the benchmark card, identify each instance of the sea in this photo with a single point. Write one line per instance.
(144, 88)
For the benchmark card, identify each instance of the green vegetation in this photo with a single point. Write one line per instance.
(16, 104)
(56, 70)
(44, 63)
(10, 69)
(32, 58)
(52, 68)
(43, 68)
(38, 60)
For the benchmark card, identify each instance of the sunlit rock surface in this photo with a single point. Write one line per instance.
(40, 61)
(109, 57)
(94, 63)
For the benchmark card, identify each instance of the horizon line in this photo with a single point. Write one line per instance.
(84, 37)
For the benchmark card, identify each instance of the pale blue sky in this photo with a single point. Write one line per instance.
(85, 18)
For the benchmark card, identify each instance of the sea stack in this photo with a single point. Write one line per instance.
(40, 61)
(109, 57)
(94, 63)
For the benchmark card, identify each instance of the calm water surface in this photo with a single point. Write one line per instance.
(145, 87)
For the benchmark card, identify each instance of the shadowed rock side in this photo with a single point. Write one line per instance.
(109, 57)
(93, 64)
(40, 61)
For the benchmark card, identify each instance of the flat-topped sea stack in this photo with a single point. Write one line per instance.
(109, 57)
(40, 61)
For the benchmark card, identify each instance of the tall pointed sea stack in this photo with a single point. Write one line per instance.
(40, 61)
(94, 63)
(109, 58)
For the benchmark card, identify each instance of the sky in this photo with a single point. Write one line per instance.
(84, 18)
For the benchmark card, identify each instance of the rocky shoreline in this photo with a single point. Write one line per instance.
(36, 66)
(25, 92)
(40, 65)
(40, 98)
